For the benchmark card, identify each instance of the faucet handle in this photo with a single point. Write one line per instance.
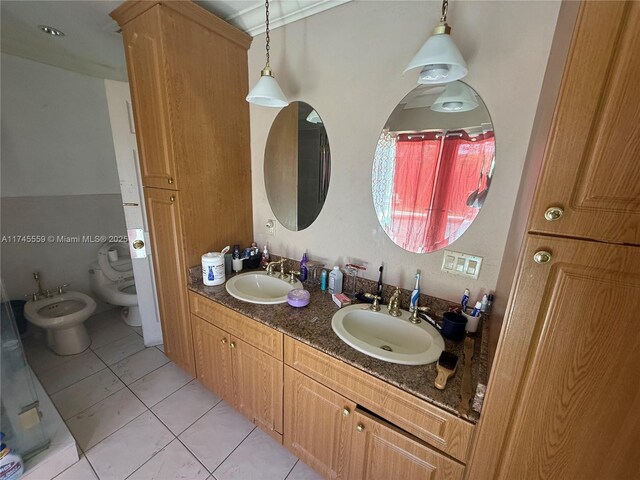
(292, 276)
(375, 306)
(414, 315)
(62, 287)
(33, 296)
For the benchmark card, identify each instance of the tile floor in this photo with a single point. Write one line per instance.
(136, 415)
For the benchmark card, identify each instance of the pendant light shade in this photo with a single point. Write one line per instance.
(439, 57)
(457, 97)
(267, 92)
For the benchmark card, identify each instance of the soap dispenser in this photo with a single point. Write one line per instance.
(304, 271)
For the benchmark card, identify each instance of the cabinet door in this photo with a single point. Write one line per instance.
(591, 164)
(564, 396)
(318, 424)
(163, 215)
(380, 451)
(258, 385)
(146, 65)
(213, 358)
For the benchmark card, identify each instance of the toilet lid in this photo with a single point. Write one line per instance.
(110, 271)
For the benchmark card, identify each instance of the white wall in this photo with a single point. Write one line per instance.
(58, 172)
(347, 63)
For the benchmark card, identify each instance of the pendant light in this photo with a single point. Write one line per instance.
(267, 92)
(457, 97)
(440, 59)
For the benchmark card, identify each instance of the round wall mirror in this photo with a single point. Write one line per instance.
(297, 166)
(433, 166)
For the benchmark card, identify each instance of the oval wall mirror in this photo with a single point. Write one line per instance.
(297, 166)
(433, 166)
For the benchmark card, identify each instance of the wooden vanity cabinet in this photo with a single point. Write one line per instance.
(233, 366)
(318, 425)
(188, 77)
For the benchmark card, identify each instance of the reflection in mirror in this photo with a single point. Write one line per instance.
(297, 166)
(433, 166)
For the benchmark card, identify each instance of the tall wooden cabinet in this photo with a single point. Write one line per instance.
(564, 392)
(188, 78)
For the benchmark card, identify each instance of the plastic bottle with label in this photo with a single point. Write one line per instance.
(335, 280)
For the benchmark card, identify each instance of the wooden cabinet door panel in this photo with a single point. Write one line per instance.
(213, 358)
(258, 385)
(566, 389)
(591, 163)
(316, 429)
(163, 216)
(380, 451)
(146, 65)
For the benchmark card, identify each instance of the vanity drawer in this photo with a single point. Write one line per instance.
(251, 331)
(431, 424)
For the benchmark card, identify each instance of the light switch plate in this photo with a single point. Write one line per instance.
(462, 264)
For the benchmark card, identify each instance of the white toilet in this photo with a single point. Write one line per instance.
(62, 317)
(111, 279)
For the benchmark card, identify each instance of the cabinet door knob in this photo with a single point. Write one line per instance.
(170, 180)
(172, 198)
(232, 344)
(360, 427)
(542, 257)
(346, 412)
(553, 213)
(223, 341)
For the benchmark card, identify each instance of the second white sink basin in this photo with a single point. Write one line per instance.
(388, 338)
(258, 287)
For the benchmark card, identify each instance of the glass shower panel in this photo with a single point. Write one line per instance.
(21, 419)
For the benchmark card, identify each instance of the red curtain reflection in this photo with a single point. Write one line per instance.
(434, 177)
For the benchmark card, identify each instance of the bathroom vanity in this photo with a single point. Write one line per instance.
(345, 414)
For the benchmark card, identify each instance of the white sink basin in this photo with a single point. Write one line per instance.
(258, 287)
(392, 339)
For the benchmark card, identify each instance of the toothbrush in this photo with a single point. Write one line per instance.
(415, 295)
(380, 282)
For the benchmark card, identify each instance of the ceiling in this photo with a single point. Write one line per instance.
(92, 45)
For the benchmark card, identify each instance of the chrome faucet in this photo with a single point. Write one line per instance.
(36, 277)
(394, 304)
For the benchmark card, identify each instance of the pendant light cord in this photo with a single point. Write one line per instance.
(445, 7)
(267, 29)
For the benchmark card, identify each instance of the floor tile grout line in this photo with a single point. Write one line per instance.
(211, 472)
(94, 404)
(294, 466)
(71, 384)
(191, 424)
(235, 448)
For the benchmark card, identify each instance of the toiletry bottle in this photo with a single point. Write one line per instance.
(415, 295)
(489, 302)
(236, 252)
(484, 304)
(265, 258)
(476, 310)
(335, 280)
(11, 466)
(304, 272)
(465, 299)
(323, 280)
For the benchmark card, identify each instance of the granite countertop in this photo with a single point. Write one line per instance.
(312, 326)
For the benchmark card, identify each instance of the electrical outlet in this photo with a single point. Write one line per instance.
(461, 264)
(271, 227)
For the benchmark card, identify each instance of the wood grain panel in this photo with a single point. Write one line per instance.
(132, 9)
(146, 67)
(429, 423)
(258, 384)
(207, 82)
(316, 430)
(281, 166)
(165, 226)
(591, 163)
(563, 396)
(213, 359)
(382, 452)
(260, 336)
